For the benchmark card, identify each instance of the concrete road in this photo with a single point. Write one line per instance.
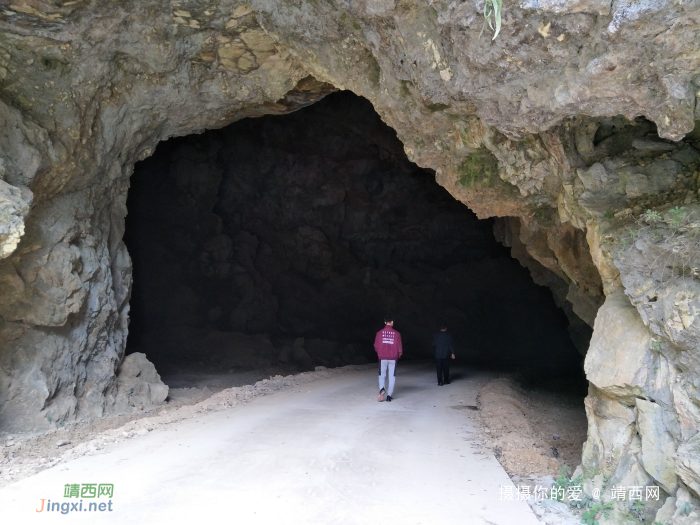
(326, 453)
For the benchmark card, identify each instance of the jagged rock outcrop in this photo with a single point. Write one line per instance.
(138, 384)
(14, 206)
(86, 90)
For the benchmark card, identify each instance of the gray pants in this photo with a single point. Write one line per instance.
(387, 365)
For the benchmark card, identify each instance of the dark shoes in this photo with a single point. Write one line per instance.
(381, 395)
(388, 398)
(447, 382)
(439, 384)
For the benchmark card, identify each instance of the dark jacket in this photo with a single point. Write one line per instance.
(442, 341)
(387, 344)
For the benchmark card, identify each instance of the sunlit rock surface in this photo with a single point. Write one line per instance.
(543, 124)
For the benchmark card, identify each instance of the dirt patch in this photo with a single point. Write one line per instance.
(24, 455)
(532, 433)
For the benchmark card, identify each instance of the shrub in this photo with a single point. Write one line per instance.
(478, 170)
(651, 217)
(677, 216)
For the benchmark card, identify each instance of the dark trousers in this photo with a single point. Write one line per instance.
(443, 370)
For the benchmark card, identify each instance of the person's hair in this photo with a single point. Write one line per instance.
(388, 318)
(442, 326)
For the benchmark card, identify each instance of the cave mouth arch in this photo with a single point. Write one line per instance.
(279, 233)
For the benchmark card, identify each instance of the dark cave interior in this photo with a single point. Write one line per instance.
(282, 241)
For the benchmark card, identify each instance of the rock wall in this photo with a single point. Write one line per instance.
(86, 90)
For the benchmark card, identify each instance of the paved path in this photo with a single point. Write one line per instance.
(327, 453)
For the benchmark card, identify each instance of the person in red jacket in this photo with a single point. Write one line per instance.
(387, 344)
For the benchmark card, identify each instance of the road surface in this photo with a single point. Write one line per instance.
(324, 453)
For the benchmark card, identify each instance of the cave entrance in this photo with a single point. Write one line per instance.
(278, 244)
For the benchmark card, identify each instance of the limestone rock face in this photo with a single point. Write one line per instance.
(138, 384)
(685, 511)
(528, 125)
(688, 464)
(643, 353)
(658, 445)
(14, 206)
(611, 430)
(616, 362)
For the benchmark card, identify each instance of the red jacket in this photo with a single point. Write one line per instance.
(387, 344)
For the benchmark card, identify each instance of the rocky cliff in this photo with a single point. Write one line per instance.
(574, 121)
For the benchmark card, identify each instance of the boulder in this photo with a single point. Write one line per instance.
(302, 358)
(619, 350)
(138, 383)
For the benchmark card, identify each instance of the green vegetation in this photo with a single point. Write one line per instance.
(345, 20)
(590, 517)
(542, 213)
(637, 510)
(686, 509)
(583, 503)
(492, 14)
(479, 170)
(652, 217)
(436, 107)
(677, 216)
(562, 482)
(608, 214)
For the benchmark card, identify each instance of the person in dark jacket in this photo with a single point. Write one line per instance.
(387, 344)
(442, 341)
